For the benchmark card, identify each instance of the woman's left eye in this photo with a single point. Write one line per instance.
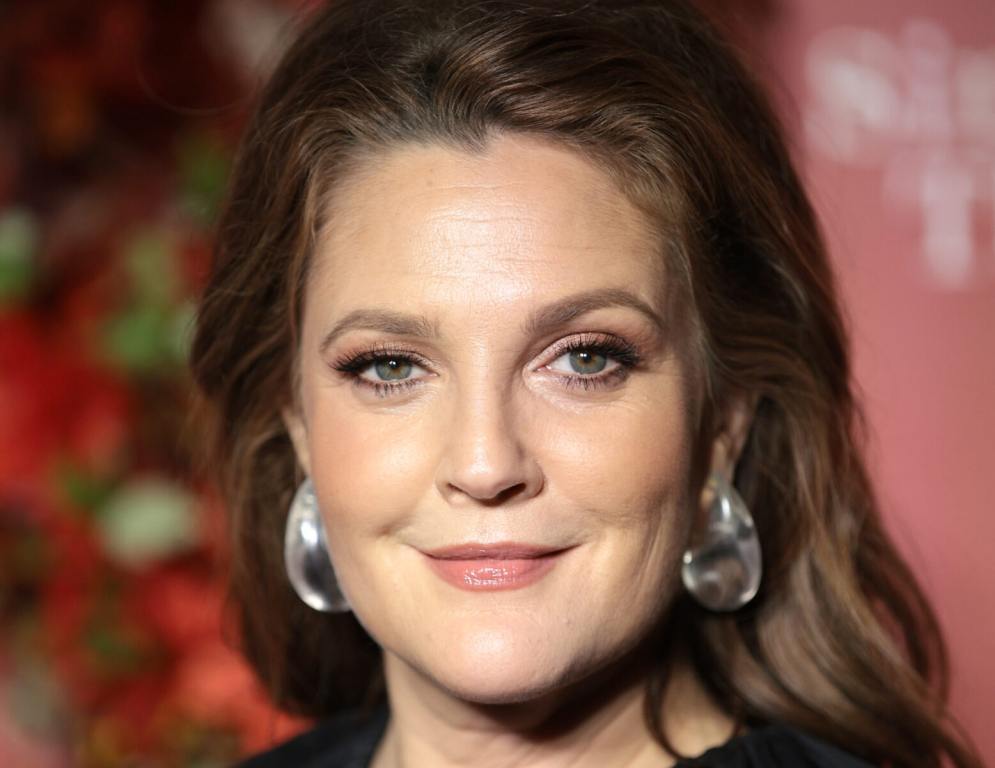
(581, 360)
(594, 361)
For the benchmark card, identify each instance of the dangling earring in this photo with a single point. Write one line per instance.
(305, 555)
(723, 572)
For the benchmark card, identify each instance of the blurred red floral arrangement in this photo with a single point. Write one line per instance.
(117, 123)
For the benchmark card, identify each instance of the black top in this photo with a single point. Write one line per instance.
(349, 741)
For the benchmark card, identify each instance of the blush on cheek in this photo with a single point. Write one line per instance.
(367, 466)
(625, 464)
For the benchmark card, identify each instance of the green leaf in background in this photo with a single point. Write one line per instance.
(135, 339)
(203, 170)
(115, 650)
(146, 521)
(146, 338)
(82, 489)
(18, 241)
(150, 260)
(152, 331)
(202, 745)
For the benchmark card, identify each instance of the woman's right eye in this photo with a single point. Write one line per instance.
(392, 368)
(382, 371)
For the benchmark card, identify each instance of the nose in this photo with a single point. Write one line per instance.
(486, 458)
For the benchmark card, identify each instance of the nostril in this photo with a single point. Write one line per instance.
(491, 489)
(485, 456)
(502, 496)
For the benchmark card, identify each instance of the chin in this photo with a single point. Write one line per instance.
(495, 690)
(500, 667)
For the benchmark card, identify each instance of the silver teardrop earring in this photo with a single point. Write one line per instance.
(723, 571)
(305, 555)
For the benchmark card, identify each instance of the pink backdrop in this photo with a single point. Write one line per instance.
(892, 108)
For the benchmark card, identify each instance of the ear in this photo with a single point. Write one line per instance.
(734, 425)
(297, 429)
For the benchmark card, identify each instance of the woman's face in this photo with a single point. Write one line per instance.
(495, 415)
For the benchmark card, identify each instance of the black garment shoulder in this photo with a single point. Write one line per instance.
(349, 741)
(344, 741)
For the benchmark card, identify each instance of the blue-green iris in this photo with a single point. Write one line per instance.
(393, 369)
(586, 361)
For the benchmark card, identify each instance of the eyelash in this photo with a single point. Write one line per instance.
(612, 347)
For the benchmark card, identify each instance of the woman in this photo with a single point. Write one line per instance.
(524, 354)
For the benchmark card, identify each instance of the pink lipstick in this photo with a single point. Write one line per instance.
(488, 567)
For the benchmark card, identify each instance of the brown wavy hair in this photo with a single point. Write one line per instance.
(840, 641)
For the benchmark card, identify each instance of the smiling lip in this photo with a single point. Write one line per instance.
(489, 567)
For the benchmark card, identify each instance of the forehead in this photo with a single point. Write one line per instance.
(524, 219)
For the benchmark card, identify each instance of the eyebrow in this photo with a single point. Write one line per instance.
(544, 319)
(384, 320)
(571, 307)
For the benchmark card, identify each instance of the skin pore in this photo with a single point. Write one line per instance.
(486, 358)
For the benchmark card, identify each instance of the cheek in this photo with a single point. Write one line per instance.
(368, 469)
(368, 475)
(630, 462)
(629, 477)
(630, 471)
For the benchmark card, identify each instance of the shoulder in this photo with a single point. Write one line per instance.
(775, 746)
(349, 740)
(345, 741)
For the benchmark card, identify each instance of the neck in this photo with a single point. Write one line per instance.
(598, 721)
